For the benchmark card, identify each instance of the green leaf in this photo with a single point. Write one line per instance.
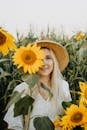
(31, 80)
(14, 98)
(4, 74)
(11, 84)
(66, 104)
(43, 123)
(47, 89)
(1, 70)
(4, 60)
(22, 105)
(78, 128)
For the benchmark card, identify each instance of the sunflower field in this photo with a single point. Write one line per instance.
(75, 74)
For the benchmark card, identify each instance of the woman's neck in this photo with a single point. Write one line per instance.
(45, 80)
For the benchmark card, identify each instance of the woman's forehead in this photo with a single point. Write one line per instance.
(46, 50)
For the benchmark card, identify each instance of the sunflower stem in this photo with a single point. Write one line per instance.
(76, 92)
(28, 115)
(28, 118)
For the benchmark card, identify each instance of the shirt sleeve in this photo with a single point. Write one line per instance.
(13, 122)
(16, 123)
(67, 96)
(22, 87)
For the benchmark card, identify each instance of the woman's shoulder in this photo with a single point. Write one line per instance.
(65, 84)
(65, 89)
(21, 87)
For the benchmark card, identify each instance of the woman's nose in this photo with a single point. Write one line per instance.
(44, 61)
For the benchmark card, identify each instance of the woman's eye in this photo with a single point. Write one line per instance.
(48, 57)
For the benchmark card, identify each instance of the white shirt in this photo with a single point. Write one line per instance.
(41, 107)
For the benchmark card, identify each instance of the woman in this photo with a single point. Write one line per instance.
(56, 59)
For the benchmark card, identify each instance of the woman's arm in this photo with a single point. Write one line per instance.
(16, 123)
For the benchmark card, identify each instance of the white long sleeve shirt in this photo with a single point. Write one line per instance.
(41, 107)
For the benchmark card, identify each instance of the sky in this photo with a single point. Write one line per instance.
(68, 16)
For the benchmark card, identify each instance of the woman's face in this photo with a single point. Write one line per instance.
(48, 64)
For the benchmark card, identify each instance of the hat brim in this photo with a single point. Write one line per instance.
(59, 50)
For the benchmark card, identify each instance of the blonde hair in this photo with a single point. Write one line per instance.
(56, 85)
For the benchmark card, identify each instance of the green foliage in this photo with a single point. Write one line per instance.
(47, 89)
(76, 70)
(31, 80)
(43, 123)
(22, 106)
(21, 40)
(13, 99)
(66, 104)
(10, 76)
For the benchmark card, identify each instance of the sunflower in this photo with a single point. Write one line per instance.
(56, 121)
(79, 36)
(30, 58)
(74, 116)
(6, 42)
(65, 124)
(83, 88)
(85, 127)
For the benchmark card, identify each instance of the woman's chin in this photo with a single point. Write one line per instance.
(44, 73)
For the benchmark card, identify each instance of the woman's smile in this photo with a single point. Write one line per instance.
(45, 67)
(48, 64)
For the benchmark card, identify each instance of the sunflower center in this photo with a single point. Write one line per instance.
(77, 117)
(86, 93)
(2, 38)
(29, 57)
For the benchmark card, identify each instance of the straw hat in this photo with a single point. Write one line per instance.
(59, 50)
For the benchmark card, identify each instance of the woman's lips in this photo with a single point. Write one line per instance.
(45, 67)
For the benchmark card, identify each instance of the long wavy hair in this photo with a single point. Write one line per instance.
(56, 85)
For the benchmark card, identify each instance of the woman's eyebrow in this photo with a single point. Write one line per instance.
(48, 56)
